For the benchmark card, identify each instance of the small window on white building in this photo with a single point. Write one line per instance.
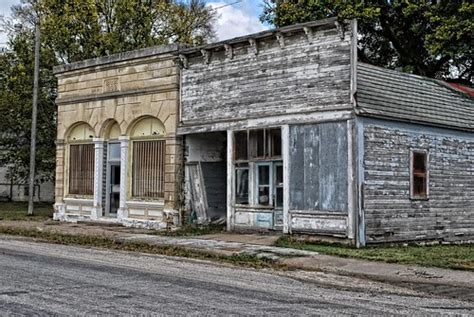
(419, 177)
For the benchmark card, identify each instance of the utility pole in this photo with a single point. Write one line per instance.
(33, 120)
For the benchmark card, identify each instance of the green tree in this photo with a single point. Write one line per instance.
(16, 81)
(429, 38)
(73, 30)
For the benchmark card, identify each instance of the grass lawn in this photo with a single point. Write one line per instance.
(19, 211)
(445, 256)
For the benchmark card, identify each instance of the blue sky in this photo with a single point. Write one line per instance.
(235, 20)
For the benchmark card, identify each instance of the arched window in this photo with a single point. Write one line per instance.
(148, 159)
(81, 160)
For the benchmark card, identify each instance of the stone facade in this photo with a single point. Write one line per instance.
(121, 89)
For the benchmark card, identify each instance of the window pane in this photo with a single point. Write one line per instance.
(240, 138)
(242, 186)
(257, 143)
(279, 197)
(264, 175)
(148, 179)
(279, 175)
(264, 195)
(419, 162)
(419, 186)
(81, 169)
(275, 142)
(114, 151)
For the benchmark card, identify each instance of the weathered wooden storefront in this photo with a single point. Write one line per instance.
(118, 156)
(316, 142)
(282, 101)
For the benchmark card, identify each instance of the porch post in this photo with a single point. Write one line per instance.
(98, 178)
(285, 140)
(230, 181)
(124, 144)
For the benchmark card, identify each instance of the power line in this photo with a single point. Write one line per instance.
(227, 5)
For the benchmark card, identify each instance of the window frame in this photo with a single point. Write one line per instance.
(426, 195)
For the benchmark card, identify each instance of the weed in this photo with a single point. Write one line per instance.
(242, 259)
(454, 256)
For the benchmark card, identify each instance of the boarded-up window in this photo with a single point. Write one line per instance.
(419, 175)
(81, 169)
(148, 179)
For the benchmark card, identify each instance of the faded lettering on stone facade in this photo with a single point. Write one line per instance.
(111, 85)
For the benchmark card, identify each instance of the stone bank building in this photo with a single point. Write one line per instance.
(283, 130)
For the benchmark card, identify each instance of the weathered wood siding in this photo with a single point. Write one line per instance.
(390, 214)
(300, 77)
(318, 171)
(390, 94)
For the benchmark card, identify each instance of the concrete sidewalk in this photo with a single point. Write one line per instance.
(444, 282)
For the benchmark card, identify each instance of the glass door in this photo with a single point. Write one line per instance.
(113, 179)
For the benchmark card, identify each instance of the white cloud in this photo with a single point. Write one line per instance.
(5, 6)
(234, 21)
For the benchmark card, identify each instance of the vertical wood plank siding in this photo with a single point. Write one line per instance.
(318, 167)
(148, 169)
(448, 213)
(81, 169)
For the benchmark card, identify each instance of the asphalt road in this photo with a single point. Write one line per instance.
(46, 279)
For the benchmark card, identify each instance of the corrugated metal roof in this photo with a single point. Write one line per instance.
(384, 93)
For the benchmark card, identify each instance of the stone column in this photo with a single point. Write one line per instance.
(98, 178)
(59, 208)
(124, 144)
